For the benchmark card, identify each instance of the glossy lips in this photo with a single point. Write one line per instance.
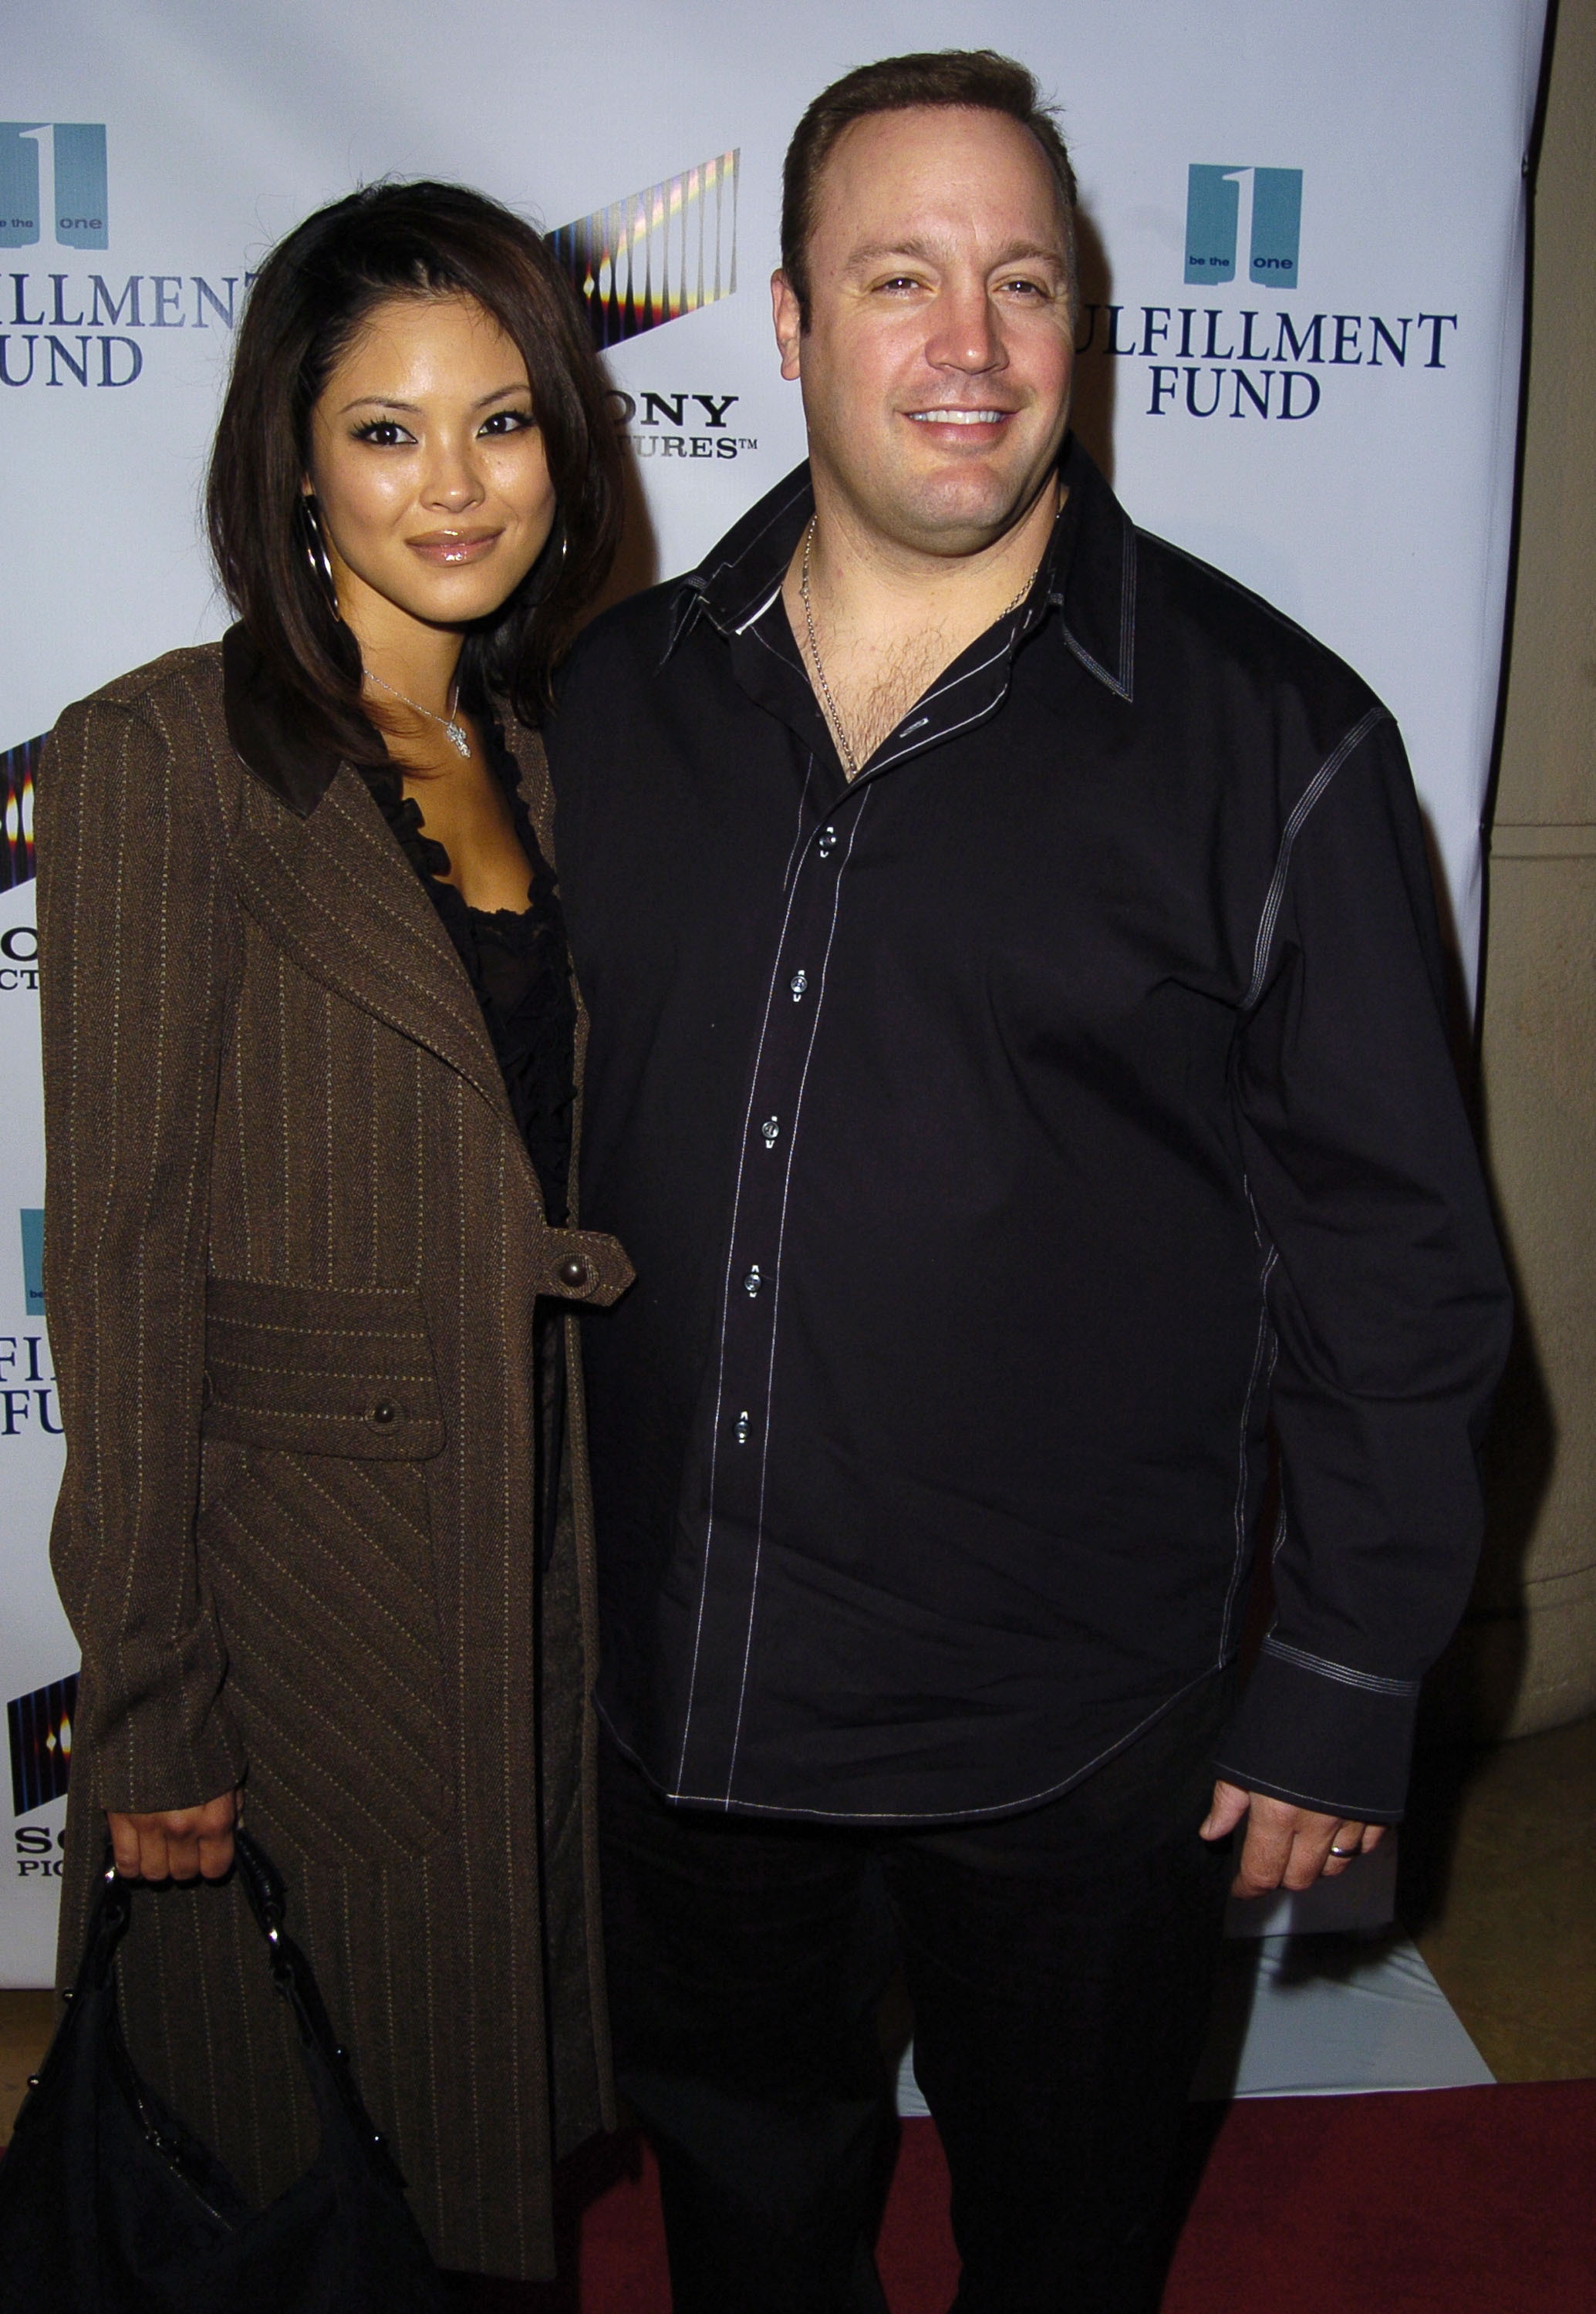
(453, 548)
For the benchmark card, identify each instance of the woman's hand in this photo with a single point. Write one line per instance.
(176, 1843)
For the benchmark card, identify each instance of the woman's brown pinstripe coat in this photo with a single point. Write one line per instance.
(293, 1245)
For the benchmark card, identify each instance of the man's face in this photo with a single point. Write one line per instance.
(936, 367)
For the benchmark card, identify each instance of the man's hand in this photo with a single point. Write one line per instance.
(176, 1843)
(1285, 1847)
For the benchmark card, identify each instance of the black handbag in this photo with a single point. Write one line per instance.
(109, 2205)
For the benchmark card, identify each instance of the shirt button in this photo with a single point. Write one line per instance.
(797, 983)
(771, 1130)
(382, 1415)
(743, 1428)
(825, 841)
(574, 1274)
(753, 1282)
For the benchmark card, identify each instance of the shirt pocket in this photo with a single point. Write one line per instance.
(315, 1542)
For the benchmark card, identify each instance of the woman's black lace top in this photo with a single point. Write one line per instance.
(517, 964)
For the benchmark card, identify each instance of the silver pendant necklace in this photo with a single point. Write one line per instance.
(456, 734)
(844, 747)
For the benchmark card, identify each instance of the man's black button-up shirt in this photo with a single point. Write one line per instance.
(1002, 1142)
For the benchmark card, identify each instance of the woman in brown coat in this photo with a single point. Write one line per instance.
(310, 1038)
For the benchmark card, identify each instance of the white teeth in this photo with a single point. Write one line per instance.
(955, 417)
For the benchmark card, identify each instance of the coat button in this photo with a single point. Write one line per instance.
(574, 1274)
(384, 1415)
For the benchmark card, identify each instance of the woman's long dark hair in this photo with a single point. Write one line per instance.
(307, 304)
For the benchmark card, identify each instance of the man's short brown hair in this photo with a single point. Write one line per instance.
(977, 78)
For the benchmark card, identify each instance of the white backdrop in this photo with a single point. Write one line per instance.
(1352, 163)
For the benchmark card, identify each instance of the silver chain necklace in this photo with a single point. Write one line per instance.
(456, 734)
(839, 730)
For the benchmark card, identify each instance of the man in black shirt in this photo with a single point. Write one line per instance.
(1018, 1073)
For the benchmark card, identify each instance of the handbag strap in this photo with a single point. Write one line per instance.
(268, 1896)
(108, 1925)
(267, 1892)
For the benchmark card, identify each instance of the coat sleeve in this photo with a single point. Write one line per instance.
(1387, 1294)
(137, 950)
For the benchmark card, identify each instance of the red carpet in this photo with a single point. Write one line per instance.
(1433, 2202)
(1429, 2202)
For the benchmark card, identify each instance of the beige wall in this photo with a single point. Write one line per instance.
(1527, 1657)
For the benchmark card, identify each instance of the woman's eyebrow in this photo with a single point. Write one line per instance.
(392, 402)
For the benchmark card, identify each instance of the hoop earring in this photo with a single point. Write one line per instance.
(315, 552)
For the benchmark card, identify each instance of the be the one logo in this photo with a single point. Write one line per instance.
(72, 155)
(1213, 223)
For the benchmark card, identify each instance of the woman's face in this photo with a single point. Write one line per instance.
(427, 466)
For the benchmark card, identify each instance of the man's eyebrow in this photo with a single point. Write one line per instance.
(915, 245)
(872, 250)
(390, 402)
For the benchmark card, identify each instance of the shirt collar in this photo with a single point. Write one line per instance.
(1088, 570)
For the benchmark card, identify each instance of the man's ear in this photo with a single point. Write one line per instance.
(789, 328)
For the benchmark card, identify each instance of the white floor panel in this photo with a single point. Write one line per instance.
(1319, 2015)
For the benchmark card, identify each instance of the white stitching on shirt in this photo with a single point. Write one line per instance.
(885, 765)
(703, 1592)
(1244, 1782)
(1344, 1672)
(939, 689)
(764, 1448)
(1293, 827)
(730, 562)
(797, 841)
(923, 1815)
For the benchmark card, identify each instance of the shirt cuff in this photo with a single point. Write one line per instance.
(1323, 1735)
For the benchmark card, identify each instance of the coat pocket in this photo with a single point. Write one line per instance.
(316, 1546)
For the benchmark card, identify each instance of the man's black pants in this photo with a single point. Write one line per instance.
(1060, 1965)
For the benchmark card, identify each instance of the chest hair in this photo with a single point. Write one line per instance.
(875, 690)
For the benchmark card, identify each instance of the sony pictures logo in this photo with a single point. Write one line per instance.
(19, 959)
(41, 1729)
(680, 425)
(650, 258)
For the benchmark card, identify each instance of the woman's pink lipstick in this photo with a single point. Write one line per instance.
(451, 548)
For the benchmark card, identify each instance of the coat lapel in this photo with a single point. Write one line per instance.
(319, 871)
(335, 891)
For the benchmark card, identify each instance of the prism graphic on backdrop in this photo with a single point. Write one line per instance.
(653, 256)
(41, 1730)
